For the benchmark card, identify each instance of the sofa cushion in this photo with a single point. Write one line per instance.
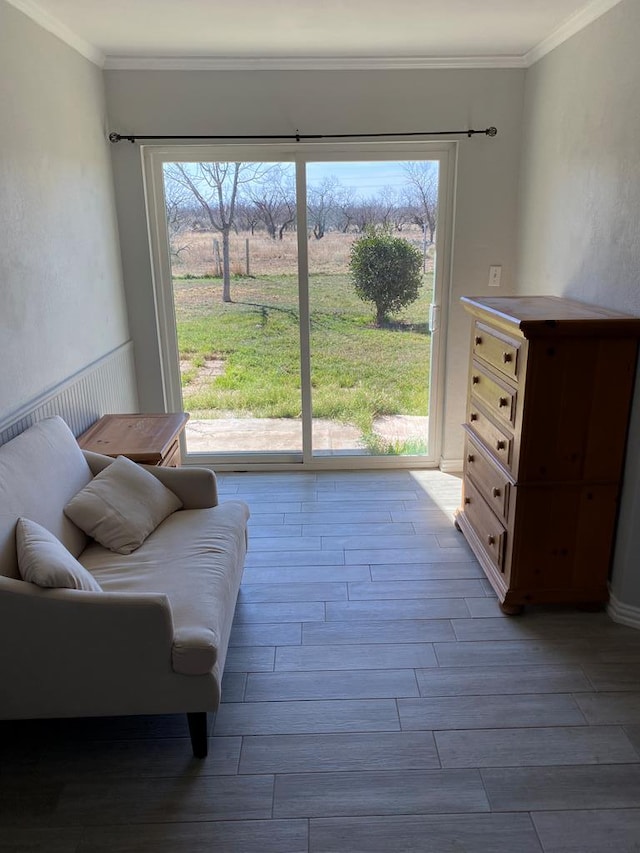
(195, 557)
(44, 561)
(121, 506)
(40, 471)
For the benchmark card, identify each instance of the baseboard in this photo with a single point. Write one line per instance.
(106, 385)
(451, 466)
(625, 614)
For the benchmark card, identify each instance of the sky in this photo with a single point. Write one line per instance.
(365, 177)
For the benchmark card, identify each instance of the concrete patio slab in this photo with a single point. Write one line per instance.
(261, 435)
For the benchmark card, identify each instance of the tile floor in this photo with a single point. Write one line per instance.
(375, 699)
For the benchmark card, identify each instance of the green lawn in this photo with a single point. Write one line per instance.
(358, 371)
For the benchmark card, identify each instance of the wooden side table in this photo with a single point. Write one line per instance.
(150, 439)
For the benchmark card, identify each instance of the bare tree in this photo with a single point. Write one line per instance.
(178, 215)
(247, 217)
(405, 214)
(388, 204)
(346, 206)
(422, 186)
(365, 213)
(215, 187)
(321, 205)
(274, 199)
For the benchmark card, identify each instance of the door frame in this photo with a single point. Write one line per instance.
(153, 158)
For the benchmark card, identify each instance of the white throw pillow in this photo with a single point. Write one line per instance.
(121, 506)
(43, 560)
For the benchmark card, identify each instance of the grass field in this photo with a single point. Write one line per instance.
(243, 358)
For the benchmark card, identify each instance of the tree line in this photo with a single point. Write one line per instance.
(261, 198)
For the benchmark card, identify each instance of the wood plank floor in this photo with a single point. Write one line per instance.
(375, 700)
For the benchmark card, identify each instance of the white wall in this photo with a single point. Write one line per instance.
(580, 211)
(62, 303)
(205, 102)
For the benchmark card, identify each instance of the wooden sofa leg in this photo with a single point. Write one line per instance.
(198, 733)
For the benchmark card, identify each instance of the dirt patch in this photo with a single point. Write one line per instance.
(213, 367)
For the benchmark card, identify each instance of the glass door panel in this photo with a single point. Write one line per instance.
(234, 273)
(371, 247)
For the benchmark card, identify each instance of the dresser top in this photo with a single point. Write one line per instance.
(143, 438)
(543, 315)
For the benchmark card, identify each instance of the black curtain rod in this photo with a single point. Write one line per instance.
(299, 137)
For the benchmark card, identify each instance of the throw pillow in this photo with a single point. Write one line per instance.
(43, 560)
(121, 506)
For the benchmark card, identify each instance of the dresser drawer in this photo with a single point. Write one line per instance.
(172, 458)
(500, 351)
(491, 482)
(497, 396)
(486, 525)
(499, 443)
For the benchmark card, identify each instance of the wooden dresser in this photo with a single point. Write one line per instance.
(549, 396)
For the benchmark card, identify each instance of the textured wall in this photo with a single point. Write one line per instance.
(61, 294)
(580, 210)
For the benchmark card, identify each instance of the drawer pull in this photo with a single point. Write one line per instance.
(491, 540)
(478, 340)
(507, 357)
(500, 445)
(503, 402)
(473, 416)
(495, 492)
(467, 500)
(475, 380)
(471, 458)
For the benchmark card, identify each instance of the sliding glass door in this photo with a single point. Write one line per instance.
(372, 227)
(234, 285)
(298, 291)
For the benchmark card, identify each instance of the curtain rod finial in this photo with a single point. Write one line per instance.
(492, 131)
(118, 137)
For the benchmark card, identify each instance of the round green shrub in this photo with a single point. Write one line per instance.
(385, 270)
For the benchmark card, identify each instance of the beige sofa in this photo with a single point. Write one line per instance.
(155, 639)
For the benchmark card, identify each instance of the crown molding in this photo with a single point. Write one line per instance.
(57, 28)
(590, 13)
(306, 63)
(586, 16)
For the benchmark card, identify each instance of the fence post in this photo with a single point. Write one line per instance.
(246, 252)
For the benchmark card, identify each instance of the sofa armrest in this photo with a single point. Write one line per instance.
(195, 650)
(196, 487)
(60, 648)
(96, 461)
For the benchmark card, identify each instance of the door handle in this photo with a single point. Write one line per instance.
(434, 317)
